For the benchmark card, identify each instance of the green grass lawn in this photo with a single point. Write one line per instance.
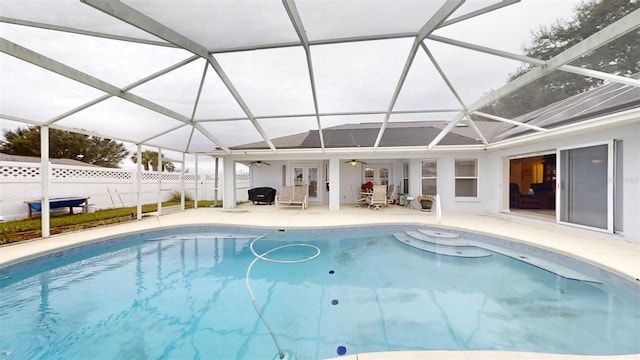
(18, 230)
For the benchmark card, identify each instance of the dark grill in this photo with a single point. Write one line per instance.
(262, 195)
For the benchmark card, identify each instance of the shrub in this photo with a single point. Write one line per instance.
(174, 196)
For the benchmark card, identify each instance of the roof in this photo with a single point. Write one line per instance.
(209, 77)
(603, 100)
(365, 134)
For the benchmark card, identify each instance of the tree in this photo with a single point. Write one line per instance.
(151, 157)
(65, 145)
(620, 57)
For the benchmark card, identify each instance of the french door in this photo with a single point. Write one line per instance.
(307, 175)
(378, 174)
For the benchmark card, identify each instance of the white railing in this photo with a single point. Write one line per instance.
(106, 187)
(438, 209)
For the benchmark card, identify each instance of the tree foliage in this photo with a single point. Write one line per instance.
(620, 57)
(150, 161)
(64, 145)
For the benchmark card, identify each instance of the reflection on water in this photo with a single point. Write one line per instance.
(183, 296)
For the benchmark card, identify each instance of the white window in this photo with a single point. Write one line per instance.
(405, 178)
(466, 177)
(429, 177)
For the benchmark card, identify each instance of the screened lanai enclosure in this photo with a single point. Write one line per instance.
(248, 81)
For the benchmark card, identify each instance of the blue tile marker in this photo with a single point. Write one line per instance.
(341, 350)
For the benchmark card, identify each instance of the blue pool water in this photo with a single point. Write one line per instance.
(180, 294)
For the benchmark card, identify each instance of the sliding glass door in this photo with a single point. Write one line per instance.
(585, 193)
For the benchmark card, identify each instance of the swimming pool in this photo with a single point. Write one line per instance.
(180, 293)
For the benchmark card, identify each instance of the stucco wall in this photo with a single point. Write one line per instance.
(630, 135)
(493, 173)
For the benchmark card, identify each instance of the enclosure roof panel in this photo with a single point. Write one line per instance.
(226, 77)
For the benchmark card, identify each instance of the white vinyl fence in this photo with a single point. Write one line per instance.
(107, 188)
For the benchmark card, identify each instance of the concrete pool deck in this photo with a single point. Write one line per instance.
(608, 251)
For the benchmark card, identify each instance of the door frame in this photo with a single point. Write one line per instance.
(561, 178)
(320, 182)
(377, 167)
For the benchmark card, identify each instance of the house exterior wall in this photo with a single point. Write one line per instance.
(349, 175)
(268, 176)
(493, 173)
(271, 176)
(630, 135)
(487, 177)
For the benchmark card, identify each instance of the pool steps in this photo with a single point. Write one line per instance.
(411, 238)
(450, 244)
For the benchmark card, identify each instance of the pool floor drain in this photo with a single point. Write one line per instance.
(341, 350)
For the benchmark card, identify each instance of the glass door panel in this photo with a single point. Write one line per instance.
(383, 175)
(312, 177)
(369, 174)
(377, 174)
(619, 187)
(298, 176)
(584, 186)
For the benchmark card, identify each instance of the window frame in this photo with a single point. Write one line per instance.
(422, 177)
(405, 178)
(476, 177)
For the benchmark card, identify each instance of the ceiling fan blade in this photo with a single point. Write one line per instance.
(260, 163)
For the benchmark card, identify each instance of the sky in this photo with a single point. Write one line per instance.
(273, 83)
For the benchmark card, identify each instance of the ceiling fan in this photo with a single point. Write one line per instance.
(259, 163)
(355, 162)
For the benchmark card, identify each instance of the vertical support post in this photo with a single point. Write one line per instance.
(229, 189)
(334, 184)
(610, 183)
(195, 200)
(45, 174)
(506, 198)
(215, 183)
(415, 177)
(438, 209)
(139, 183)
(159, 172)
(182, 184)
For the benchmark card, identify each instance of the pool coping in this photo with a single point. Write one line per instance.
(609, 252)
